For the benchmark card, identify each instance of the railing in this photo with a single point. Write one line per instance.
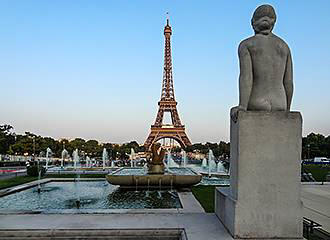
(310, 226)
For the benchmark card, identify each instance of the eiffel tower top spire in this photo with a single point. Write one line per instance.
(167, 86)
(168, 22)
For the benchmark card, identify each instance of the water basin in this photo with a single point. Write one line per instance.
(91, 194)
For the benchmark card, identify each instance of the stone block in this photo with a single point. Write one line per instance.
(263, 200)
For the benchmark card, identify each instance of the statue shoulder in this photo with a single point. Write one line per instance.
(243, 47)
(281, 42)
(246, 43)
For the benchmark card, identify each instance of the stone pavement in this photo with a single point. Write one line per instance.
(316, 199)
(191, 217)
(198, 226)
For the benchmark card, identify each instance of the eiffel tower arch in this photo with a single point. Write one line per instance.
(167, 103)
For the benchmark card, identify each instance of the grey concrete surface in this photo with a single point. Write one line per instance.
(198, 226)
(316, 200)
(92, 234)
(264, 197)
(189, 203)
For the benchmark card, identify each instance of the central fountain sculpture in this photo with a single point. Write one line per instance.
(155, 175)
(155, 161)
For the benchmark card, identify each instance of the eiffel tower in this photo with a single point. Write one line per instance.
(167, 103)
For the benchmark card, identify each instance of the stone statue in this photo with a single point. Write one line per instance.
(265, 81)
(155, 159)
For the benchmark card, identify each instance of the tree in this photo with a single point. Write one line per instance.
(315, 145)
(77, 143)
(176, 149)
(6, 138)
(92, 148)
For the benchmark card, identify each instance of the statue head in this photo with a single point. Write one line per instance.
(263, 19)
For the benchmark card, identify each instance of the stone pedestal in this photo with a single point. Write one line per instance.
(263, 200)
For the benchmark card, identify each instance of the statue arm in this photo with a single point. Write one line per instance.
(288, 81)
(245, 77)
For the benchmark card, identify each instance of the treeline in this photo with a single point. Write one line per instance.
(16, 144)
(313, 145)
(29, 143)
(219, 150)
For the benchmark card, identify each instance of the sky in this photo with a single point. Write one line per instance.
(93, 69)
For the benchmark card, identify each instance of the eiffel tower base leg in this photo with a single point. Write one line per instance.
(177, 133)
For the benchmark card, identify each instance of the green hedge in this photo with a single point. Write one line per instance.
(11, 182)
(205, 196)
(318, 171)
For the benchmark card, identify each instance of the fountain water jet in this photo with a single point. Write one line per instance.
(170, 161)
(39, 177)
(64, 155)
(211, 161)
(220, 167)
(132, 157)
(48, 154)
(77, 180)
(104, 157)
(75, 156)
(184, 158)
(88, 162)
(204, 163)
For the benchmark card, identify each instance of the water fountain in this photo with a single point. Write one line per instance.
(155, 176)
(220, 167)
(48, 154)
(75, 158)
(64, 155)
(204, 163)
(132, 157)
(211, 162)
(184, 158)
(39, 177)
(167, 164)
(104, 157)
(77, 180)
(170, 161)
(88, 162)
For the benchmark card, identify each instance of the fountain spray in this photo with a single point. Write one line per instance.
(75, 158)
(39, 177)
(64, 155)
(210, 161)
(48, 153)
(104, 157)
(132, 156)
(184, 157)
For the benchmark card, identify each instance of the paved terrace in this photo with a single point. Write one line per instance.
(196, 223)
(316, 199)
